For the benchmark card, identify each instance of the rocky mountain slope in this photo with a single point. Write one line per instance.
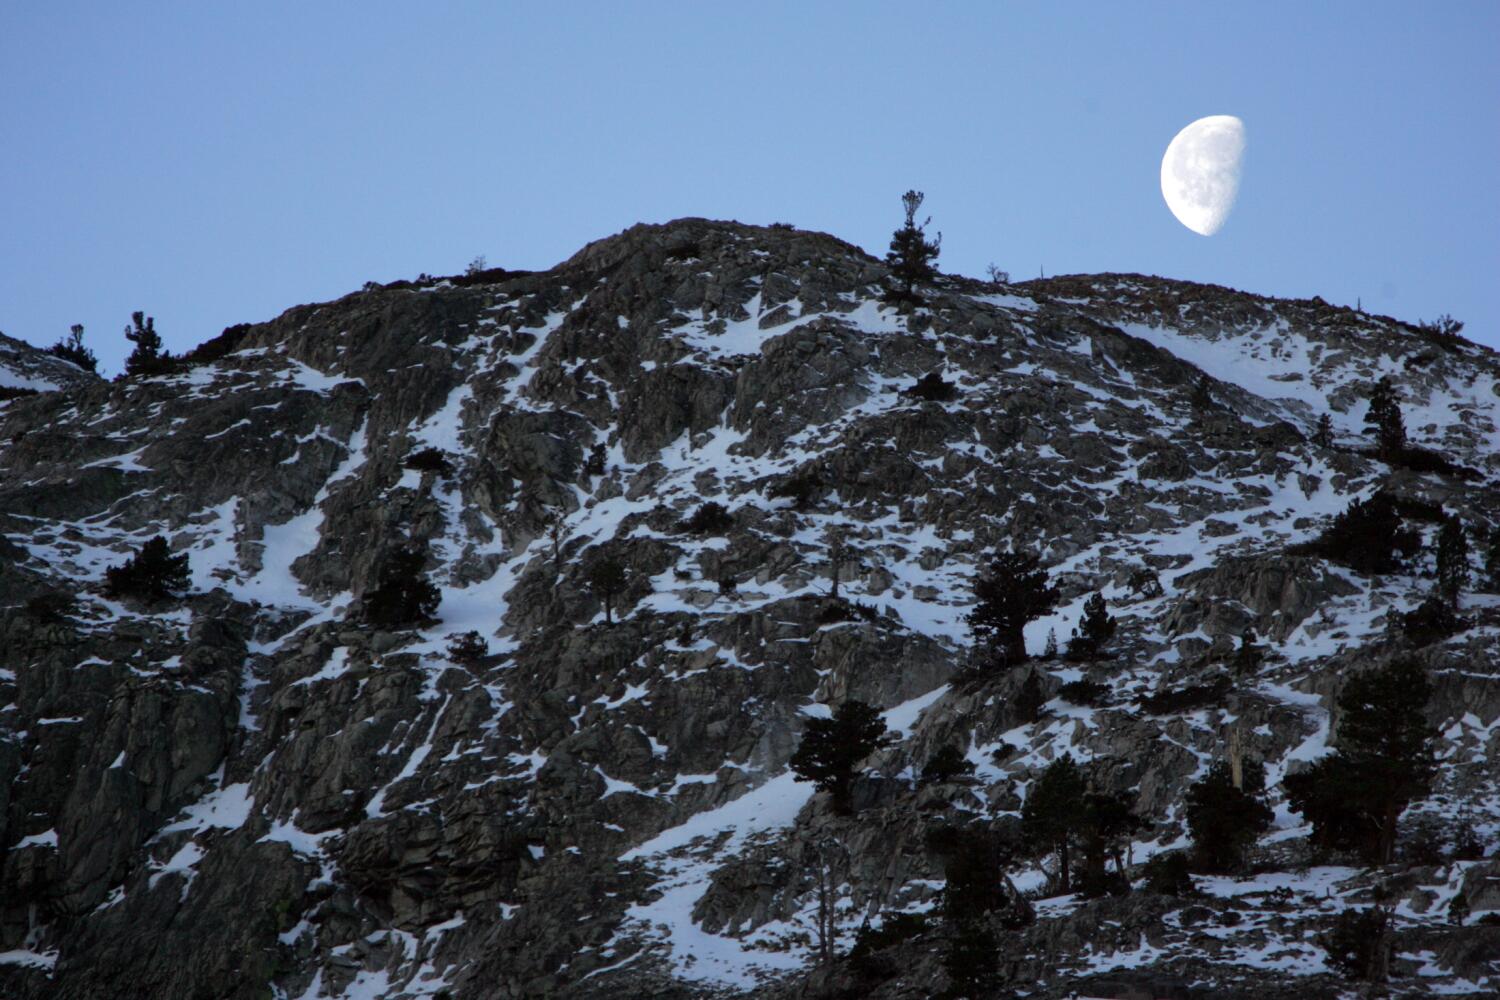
(249, 792)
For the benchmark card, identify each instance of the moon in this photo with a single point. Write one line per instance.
(1200, 175)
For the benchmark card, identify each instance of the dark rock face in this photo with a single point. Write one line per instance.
(250, 791)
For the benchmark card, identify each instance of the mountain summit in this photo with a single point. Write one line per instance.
(509, 599)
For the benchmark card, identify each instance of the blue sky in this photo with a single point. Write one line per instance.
(215, 164)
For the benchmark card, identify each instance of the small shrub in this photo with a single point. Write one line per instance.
(404, 597)
(16, 392)
(215, 348)
(948, 764)
(1359, 944)
(1095, 628)
(1418, 459)
(433, 460)
(802, 488)
(933, 388)
(467, 649)
(728, 585)
(1186, 699)
(594, 465)
(894, 929)
(1084, 692)
(712, 518)
(840, 610)
(1431, 621)
(71, 349)
(51, 607)
(151, 574)
(1168, 875)
(1368, 537)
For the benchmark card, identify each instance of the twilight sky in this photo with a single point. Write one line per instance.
(215, 164)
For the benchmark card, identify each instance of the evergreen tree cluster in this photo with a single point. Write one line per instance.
(403, 596)
(1385, 759)
(71, 349)
(1223, 818)
(1064, 816)
(152, 574)
(1368, 537)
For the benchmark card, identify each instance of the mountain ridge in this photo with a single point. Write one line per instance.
(396, 824)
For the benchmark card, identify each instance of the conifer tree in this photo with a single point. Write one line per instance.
(607, 580)
(832, 747)
(151, 574)
(1012, 591)
(403, 596)
(1383, 418)
(1053, 813)
(1386, 757)
(71, 349)
(1106, 822)
(1452, 561)
(1224, 820)
(1095, 628)
(1323, 434)
(911, 255)
(148, 358)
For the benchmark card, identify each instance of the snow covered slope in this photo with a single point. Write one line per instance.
(252, 789)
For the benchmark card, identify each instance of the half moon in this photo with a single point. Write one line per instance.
(1200, 175)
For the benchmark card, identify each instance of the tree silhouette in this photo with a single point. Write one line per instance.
(1054, 812)
(1452, 561)
(1224, 820)
(148, 358)
(71, 349)
(151, 574)
(1386, 757)
(911, 255)
(403, 597)
(1095, 628)
(607, 580)
(1383, 418)
(1012, 591)
(832, 747)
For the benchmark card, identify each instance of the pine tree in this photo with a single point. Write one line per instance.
(71, 349)
(607, 580)
(1384, 418)
(1095, 628)
(151, 574)
(946, 765)
(148, 358)
(1386, 757)
(832, 747)
(1012, 591)
(1452, 561)
(911, 255)
(403, 596)
(467, 649)
(1492, 562)
(1109, 821)
(1224, 820)
(1054, 812)
(1323, 434)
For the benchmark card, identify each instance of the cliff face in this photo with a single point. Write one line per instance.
(249, 792)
